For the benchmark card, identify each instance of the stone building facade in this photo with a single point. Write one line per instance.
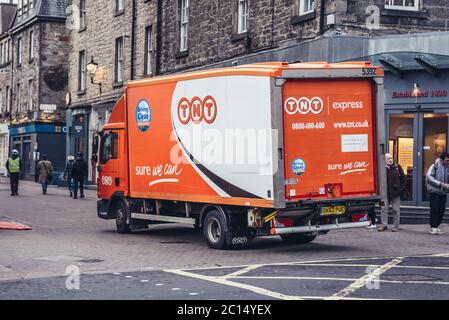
(164, 37)
(7, 10)
(40, 49)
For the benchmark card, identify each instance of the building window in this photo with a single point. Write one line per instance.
(8, 99)
(18, 93)
(31, 48)
(184, 24)
(148, 51)
(25, 7)
(19, 51)
(82, 71)
(402, 4)
(30, 95)
(9, 50)
(119, 5)
(2, 54)
(19, 8)
(119, 60)
(306, 6)
(82, 14)
(243, 16)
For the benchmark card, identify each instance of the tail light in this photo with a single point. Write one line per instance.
(282, 223)
(359, 217)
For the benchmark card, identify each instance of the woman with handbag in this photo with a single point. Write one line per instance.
(44, 170)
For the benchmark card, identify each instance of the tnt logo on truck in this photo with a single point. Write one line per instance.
(303, 105)
(298, 167)
(143, 115)
(197, 110)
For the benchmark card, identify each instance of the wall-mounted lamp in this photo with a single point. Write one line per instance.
(92, 68)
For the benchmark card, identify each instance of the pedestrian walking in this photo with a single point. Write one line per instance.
(395, 187)
(438, 187)
(14, 167)
(68, 173)
(44, 170)
(79, 173)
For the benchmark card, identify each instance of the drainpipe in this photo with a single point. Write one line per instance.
(322, 9)
(158, 37)
(133, 39)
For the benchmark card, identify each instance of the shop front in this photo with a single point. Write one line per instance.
(32, 140)
(417, 118)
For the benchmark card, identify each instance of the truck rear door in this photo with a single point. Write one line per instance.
(329, 139)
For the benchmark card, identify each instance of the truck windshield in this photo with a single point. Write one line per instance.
(109, 147)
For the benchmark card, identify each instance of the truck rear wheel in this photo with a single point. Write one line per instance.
(122, 219)
(298, 238)
(214, 230)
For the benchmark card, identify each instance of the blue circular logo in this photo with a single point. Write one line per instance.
(298, 167)
(143, 115)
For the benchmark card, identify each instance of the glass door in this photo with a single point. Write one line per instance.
(434, 142)
(416, 139)
(402, 145)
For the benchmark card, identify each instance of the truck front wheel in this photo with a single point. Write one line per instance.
(122, 219)
(298, 238)
(214, 230)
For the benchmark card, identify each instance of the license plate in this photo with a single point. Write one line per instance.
(333, 210)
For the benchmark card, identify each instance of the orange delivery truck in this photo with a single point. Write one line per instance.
(266, 149)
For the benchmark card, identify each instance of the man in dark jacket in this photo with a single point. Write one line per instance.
(395, 185)
(79, 173)
(437, 183)
(14, 167)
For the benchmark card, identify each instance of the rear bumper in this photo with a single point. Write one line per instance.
(318, 228)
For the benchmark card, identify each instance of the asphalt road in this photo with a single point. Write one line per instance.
(173, 262)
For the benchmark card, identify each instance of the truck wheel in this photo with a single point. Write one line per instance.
(122, 217)
(298, 238)
(214, 227)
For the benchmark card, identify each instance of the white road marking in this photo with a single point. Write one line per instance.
(222, 281)
(176, 289)
(370, 265)
(144, 280)
(242, 271)
(129, 277)
(359, 283)
(340, 279)
(159, 284)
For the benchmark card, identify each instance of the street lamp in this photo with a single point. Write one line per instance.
(92, 68)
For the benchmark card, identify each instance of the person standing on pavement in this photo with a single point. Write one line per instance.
(437, 183)
(44, 170)
(14, 166)
(68, 173)
(79, 173)
(395, 186)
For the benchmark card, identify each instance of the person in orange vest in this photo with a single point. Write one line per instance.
(14, 166)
